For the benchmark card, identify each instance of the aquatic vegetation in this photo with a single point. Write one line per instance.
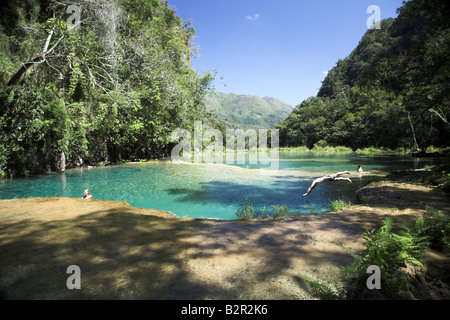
(339, 204)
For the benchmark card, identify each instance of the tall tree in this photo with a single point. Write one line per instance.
(113, 88)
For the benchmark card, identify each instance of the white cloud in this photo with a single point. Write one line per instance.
(325, 72)
(253, 17)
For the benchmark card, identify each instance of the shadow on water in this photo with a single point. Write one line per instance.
(279, 190)
(224, 193)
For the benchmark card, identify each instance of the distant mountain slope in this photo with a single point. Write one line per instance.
(246, 111)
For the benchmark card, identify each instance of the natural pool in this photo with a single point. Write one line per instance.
(216, 191)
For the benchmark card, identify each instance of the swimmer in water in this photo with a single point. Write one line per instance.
(87, 195)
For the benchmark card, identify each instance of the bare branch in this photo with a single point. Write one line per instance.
(50, 35)
(52, 67)
(440, 115)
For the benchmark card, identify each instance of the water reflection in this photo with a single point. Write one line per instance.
(63, 181)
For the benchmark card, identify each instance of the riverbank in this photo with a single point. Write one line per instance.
(194, 156)
(130, 253)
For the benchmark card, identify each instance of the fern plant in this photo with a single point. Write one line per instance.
(389, 251)
(434, 226)
(327, 289)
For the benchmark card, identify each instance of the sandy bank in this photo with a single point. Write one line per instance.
(129, 253)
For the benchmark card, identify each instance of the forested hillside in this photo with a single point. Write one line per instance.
(246, 111)
(392, 91)
(118, 84)
(114, 87)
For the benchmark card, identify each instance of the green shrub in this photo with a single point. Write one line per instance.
(339, 204)
(440, 177)
(434, 226)
(376, 150)
(342, 149)
(246, 211)
(280, 211)
(391, 252)
(432, 149)
(263, 212)
(320, 144)
(296, 149)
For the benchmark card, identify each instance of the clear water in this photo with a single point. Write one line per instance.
(214, 191)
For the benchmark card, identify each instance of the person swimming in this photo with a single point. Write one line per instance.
(87, 195)
(327, 178)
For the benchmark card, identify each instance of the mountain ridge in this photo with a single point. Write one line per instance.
(247, 111)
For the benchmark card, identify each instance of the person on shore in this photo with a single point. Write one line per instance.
(87, 195)
(360, 169)
(327, 178)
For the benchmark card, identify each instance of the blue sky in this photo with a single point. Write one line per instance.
(280, 49)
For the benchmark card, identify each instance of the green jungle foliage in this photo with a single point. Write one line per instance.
(113, 89)
(116, 87)
(393, 252)
(392, 91)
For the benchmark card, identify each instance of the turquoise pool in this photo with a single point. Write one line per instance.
(214, 191)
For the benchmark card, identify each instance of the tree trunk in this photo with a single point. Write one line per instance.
(62, 162)
(18, 75)
(413, 131)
